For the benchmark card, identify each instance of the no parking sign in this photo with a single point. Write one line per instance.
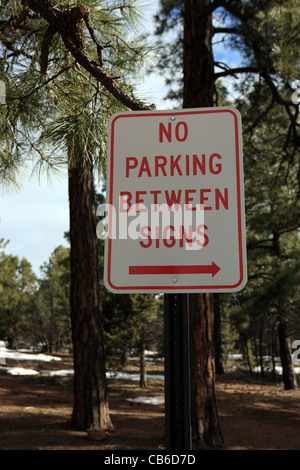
(175, 201)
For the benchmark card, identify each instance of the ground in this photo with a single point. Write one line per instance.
(35, 411)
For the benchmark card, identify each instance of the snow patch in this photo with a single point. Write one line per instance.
(126, 376)
(278, 369)
(24, 355)
(20, 371)
(56, 373)
(148, 400)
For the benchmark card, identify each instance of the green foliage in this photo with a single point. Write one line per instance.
(18, 286)
(271, 159)
(51, 118)
(52, 104)
(56, 115)
(53, 302)
(35, 312)
(267, 36)
(129, 319)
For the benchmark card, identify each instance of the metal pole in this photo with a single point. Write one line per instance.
(177, 372)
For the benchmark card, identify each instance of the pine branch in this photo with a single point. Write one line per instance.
(22, 17)
(256, 121)
(49, 35)
(236, 70)
(90, 26)
(268, 79)
(265, 68)
(69, 25)
(224, 30)
(23, 97)
(236, 9)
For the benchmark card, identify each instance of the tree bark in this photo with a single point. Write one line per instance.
(274, 352)
(198, 60)
(217, 335)
(261, 350)
(206, 432)
(143, 372)
(198, 83)
(90, 409)
(248, 355)
(288, 375)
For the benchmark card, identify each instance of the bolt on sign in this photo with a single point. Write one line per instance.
(174, 219)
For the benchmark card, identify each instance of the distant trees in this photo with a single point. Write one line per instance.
(35, 311)
(18, 287)
(132, 322)
(270, 301)
(53, 320)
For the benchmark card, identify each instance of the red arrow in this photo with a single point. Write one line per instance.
(212, 269)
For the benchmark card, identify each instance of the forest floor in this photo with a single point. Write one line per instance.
(255, 413)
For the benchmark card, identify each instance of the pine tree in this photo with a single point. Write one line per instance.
(267, 36)
(64, 95)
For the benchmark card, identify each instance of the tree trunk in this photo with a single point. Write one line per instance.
(288, 375)
(51, 329)
(274, 353)
(198, 71)
(261, 351)
(206, 431)
(217, 335)
(143, 373)
(124, 356)
(248, 355)
(198, 61)
(90, 409)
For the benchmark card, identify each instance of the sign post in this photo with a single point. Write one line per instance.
(176, 223)
(177, 373)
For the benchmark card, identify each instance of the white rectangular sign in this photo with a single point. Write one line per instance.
(175, 200)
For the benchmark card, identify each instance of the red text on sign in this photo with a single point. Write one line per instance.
(181, 132)
(212, 199)
(169, 239)
(180, 165)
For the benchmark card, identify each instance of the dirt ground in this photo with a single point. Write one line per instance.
(255, 413)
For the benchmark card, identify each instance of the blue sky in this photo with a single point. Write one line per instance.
(35, 218)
